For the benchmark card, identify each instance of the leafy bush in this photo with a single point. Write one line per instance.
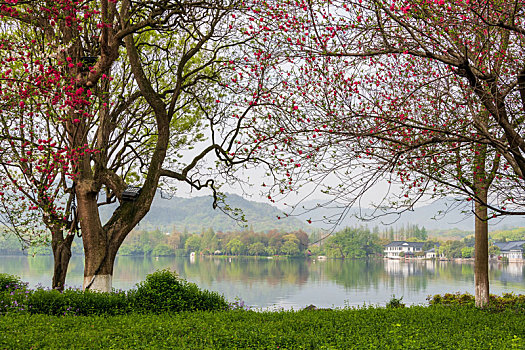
(164, 291)
(14, 301)
(496, 303)
(9, 283)
(77, 302)
(451, 299)
(13, 294)
(395, 303)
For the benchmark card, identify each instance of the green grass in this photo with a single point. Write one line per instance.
(370, 328)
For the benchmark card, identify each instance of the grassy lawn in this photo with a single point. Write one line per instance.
(372, 328)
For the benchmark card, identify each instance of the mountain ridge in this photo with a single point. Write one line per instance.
(195, 214)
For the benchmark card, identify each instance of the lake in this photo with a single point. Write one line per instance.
(292, 283)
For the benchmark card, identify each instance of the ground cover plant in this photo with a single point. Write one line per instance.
(368, 328)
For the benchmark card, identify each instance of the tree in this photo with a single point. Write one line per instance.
(494, 114)
(193, 244)
(133, 86)
(209, 241)
(34, 159)
(235, 247)
(430, 244)
(162, 249)
(355, 243)
(493, 250)
(451, 249)
(290, 245)
(428, 96)
(467, 252)
(303, 239)
(275, 244)
(256, 248)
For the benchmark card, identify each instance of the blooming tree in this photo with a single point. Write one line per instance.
(427, 95)
(120, 93)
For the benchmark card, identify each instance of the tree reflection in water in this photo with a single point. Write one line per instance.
(293, 283)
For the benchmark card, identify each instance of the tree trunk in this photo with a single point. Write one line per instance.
(481, 251)
(98, 271)
(62, 254)
(98, 264)
(98, 260)
(101, 244)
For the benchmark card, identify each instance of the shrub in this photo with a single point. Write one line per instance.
(49, 302)
(164, 291)
(13, 302)
(496, 303)
(395, 303)
(9, 283)
(13, 294)
(76, 302)
(450, 299)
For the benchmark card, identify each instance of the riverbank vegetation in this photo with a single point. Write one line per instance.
(167, 312)
(350, 242)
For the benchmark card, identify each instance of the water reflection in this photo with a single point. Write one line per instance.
(292, 282)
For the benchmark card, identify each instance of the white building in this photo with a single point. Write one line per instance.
(394, 249)
(432, 254)
(512, 250)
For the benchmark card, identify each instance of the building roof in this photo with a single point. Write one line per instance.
(511, 245)
(418, 245)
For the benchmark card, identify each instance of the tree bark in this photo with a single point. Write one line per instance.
(98, 261)
(481, 251)
(481, 183)
(62, 254)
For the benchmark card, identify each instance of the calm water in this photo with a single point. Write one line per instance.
(293, 283)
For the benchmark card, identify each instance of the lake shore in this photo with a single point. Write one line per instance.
(292, 283)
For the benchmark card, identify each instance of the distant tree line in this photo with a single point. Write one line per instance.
(408, 232)
(11, 245)
(361, 242)
(208, 242)
(354, 243)
(350, 242)
(464, 248)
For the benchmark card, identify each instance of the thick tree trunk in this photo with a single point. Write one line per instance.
(101, 244)
(98, 265)
(98, 273)
(481, 183)
(481, 251)
(61, 254)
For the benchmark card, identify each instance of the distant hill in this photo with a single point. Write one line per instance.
(442, 214)
(195, 214)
